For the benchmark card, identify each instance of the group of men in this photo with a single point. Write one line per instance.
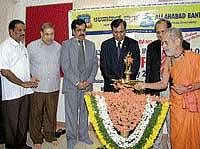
(30, 80)
(35, 71)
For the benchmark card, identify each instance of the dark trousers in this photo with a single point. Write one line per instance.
(43, 111)
(2, 134)
(15, 115)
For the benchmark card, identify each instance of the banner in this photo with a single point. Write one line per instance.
(140, 26)
(141, 17)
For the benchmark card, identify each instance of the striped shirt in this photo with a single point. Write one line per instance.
(45, 65)
(13, 56)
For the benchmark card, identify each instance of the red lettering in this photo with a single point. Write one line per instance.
(142, 61)
(144, 41)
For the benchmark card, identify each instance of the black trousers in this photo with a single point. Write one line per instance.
(2, 134)
(15, 115)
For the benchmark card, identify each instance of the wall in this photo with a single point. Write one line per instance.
(11, 9)
(8, 10)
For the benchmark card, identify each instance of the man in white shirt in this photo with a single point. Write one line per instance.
(16, 84)
(44, 56)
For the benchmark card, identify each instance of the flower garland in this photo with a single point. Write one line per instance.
(92, 116)
(139, 130)
(157, 126)
(140, 138)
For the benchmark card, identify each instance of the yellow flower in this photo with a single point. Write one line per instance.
(150, 140)
(157, 126)
(94, 121)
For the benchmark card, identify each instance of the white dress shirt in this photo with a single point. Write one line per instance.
(14, 56)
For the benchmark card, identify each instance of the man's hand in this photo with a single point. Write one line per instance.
(86, 84)
(139, 86)
(118, 86)
(34, 79)
(180, 89)
(33, 83)
(83, 85)
(80, 85)
(29, 84)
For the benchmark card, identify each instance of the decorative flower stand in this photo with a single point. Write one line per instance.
(125, 119)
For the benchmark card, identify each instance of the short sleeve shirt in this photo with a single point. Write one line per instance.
(14, 56)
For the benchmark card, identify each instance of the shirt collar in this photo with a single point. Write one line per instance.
(78, 40)
(41, 42)
(116, 42)
(15, 43)
(44, 44)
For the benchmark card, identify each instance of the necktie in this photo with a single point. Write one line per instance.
(81, 57)
(118, 48)
(163, 59)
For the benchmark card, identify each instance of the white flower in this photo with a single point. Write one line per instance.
(134, 137)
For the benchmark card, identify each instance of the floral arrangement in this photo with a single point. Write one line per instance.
(124, 112)
(142, 124)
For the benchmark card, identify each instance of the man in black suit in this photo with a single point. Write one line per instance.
(153, 57)
(113, 52)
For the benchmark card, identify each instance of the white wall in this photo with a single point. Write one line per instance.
(8, 12)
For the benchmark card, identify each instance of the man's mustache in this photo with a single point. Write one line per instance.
(22, 35)
(81, 35)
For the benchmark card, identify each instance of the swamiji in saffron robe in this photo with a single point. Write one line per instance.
(185, 108)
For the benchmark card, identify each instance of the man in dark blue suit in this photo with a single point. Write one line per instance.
(113, 52)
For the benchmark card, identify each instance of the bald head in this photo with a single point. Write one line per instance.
(175, 33)
(172, 42)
